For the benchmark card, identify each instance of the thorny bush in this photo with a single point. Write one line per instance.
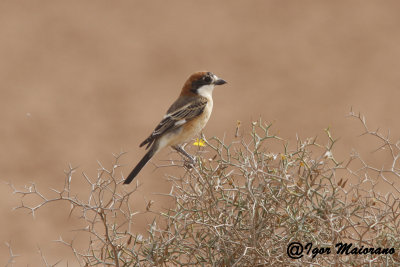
(242, 204)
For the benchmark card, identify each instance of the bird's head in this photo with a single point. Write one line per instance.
(201, 83)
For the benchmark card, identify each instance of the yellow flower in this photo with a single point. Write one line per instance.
(199, 142)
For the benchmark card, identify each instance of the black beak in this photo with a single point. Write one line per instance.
(220, 82)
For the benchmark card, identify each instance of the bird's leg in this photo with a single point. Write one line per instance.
(183, 152)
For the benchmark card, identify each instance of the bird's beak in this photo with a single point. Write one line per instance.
(218, 81)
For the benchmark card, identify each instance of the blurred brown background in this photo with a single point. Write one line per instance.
(81, 80)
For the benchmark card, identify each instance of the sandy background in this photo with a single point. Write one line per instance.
(81, 80)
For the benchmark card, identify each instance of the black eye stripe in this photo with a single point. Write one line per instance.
(205, 80)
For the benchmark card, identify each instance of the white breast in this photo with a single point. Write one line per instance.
(206, 91)
(206, 115)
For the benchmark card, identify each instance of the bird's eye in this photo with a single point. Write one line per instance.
(207, 79)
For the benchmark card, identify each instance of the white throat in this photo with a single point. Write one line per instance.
(206, 91)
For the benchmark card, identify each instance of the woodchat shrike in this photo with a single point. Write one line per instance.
(184, 119)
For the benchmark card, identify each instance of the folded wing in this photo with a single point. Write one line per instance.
(176, 118)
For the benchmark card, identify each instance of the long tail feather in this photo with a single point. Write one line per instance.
(141, 164)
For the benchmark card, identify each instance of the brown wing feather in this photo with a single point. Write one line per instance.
(183, 112)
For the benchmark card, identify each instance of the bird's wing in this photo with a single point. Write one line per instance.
(177, 118)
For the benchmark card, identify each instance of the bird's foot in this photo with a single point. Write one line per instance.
(190, 159)
(190, 162)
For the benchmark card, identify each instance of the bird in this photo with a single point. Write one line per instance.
(185, 118)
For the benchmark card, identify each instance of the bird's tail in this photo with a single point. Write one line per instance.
(153, 150)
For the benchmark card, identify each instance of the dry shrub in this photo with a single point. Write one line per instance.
(243, 205)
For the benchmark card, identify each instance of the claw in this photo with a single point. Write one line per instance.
(191, 159)
(188, 165)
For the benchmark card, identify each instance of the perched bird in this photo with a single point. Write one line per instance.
(184, 119)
